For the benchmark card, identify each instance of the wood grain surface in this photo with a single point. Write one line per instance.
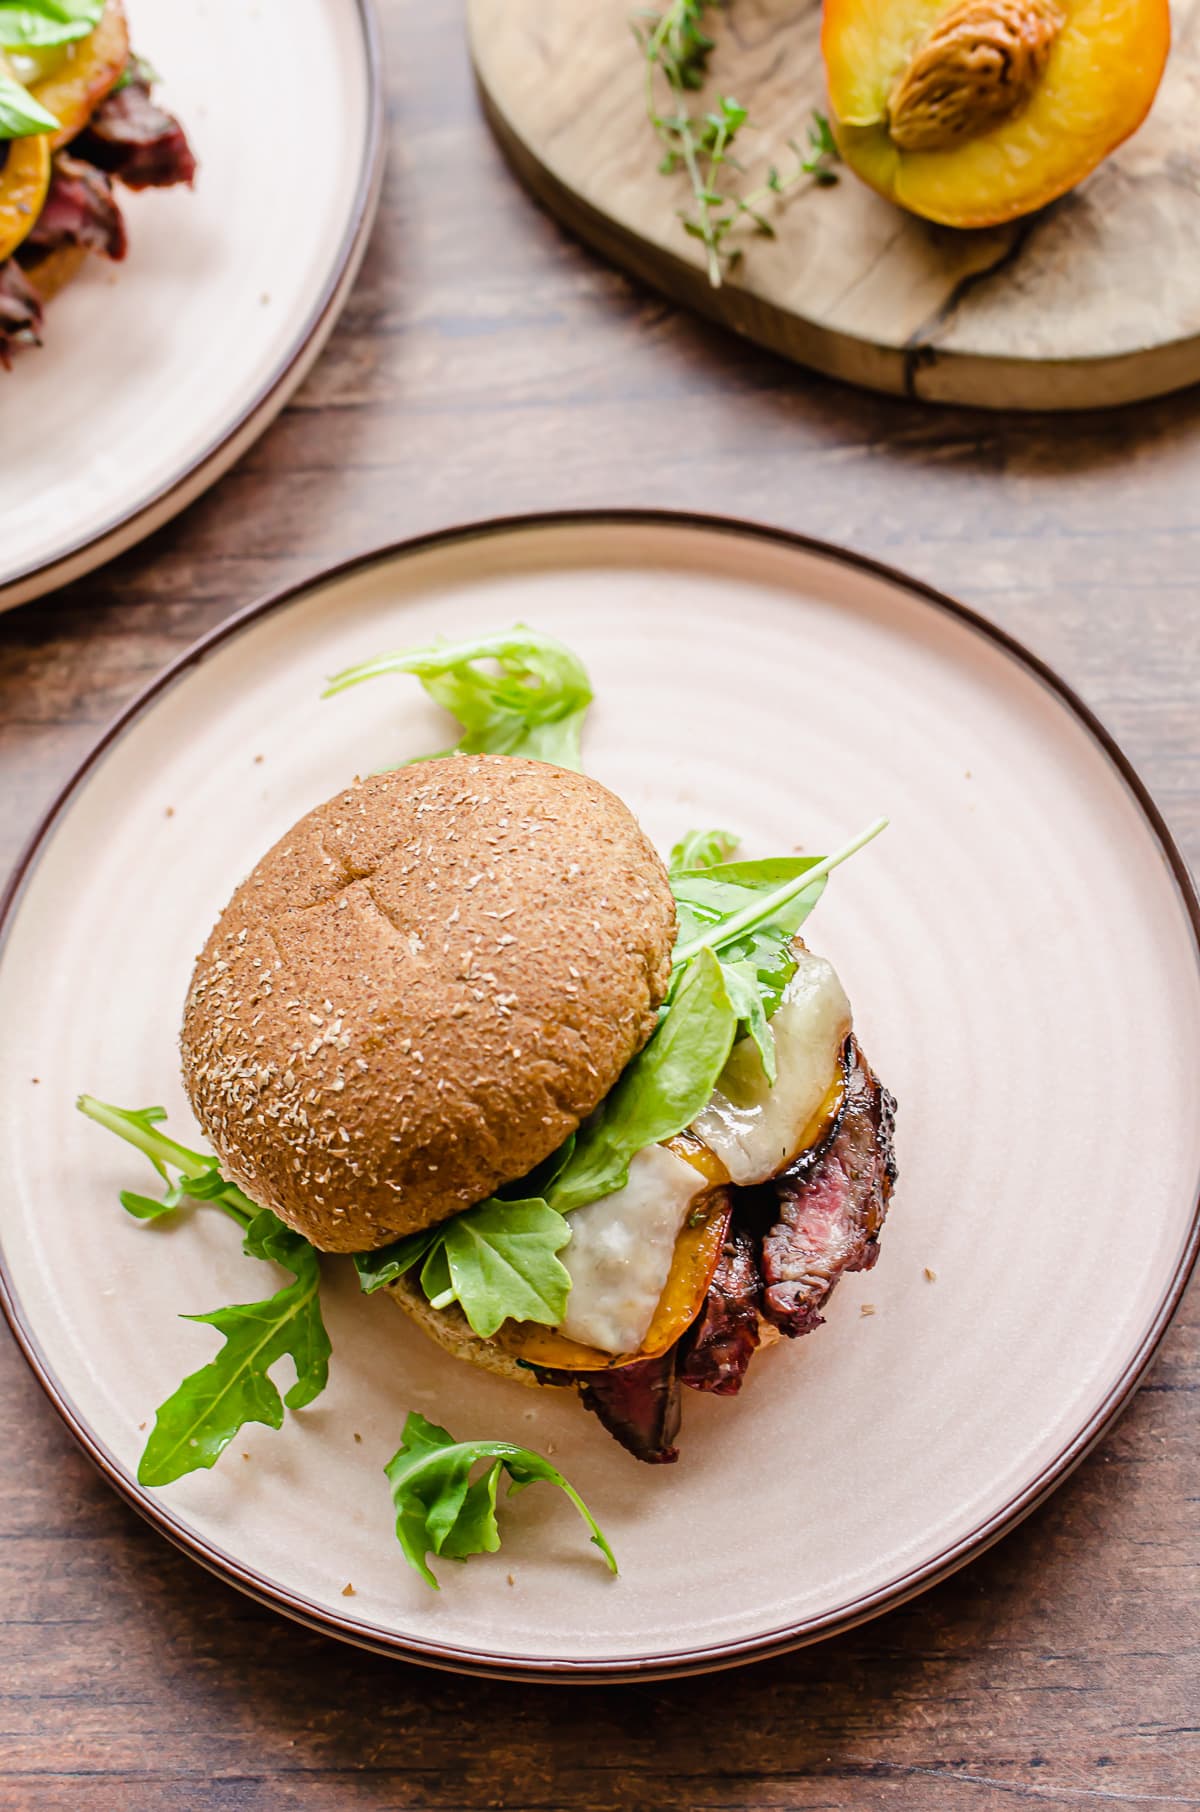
(487, 363)
(1092, 301)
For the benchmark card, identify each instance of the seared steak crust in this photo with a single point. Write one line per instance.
(136, 140)
(719, 1345)
(20, 309)
(832, 1204)
(638, 1404)
(789, 1242)
(79, 210)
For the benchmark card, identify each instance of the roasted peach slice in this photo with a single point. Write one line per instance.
(24, 179)
(697, 1251)
(84, 73)
(975, 112)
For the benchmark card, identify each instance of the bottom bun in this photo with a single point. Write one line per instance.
(451, 1330)
(56, 269)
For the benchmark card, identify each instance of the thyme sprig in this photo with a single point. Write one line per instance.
(676, 50)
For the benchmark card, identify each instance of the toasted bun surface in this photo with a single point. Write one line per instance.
(450, 1329)
(53, 272)
(421, 990)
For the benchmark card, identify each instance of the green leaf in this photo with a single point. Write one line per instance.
(389, 1263)
(198, 1176)
(137, 69)
(660, 1092)
(438, 1508)
(503, 1263)
(195, 1425)
(767, 905)
(144, 1208)
(515, 693)
(197, 1422)
(37, 24)
(498, 1261)
(743, 984)
(702, 849)
(20, 115)
(707, 899)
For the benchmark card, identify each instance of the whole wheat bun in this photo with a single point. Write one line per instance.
(450, 1329)
(53, 272)
(421, 990)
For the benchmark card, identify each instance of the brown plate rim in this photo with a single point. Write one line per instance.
(120, 532)
(705, 1657)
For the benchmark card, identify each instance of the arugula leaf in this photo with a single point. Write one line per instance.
(20, 115)
(440, 1511)
(744, 986)
(497, 1261)
(35, 24)
(387, 1264)
(660, 1092)
(749, 913)
(701, 849)
(198, 1421)
(501, 1257)
(765, 905)
(138, 69)
(195, 1425)
(529, 697)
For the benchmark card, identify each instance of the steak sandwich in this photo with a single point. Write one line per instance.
(591, 1123)
(77, 116)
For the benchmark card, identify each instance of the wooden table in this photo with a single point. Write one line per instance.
(486, 364)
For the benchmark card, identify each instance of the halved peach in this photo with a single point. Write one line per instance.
(24, 179)
(974, 112)
(87, 71)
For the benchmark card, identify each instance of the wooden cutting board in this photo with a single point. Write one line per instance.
(1094, 301)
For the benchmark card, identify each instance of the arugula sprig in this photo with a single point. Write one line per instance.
(499, 1261)
(36, 26)
(39, 24)
(440, 1511)
(677, 48)
(516, 693)
(749, 913)
(198, 1421)
(21, 116)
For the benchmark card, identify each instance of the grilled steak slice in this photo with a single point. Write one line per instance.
(832, 1204)
(720, 1344)
(20, 309)
(136, 140)
(638, 1404)
(79, 210)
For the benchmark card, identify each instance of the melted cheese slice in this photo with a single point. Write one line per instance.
(757, 1130)
(621, 1248)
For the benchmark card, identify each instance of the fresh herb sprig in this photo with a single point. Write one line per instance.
(198, 1421)
(748, 913)
(516, 693)
(21, 116)
(676, 50)
(439, 1511)
(39, 24)
(35, 26)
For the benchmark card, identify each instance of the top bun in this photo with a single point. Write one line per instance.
(422, 990)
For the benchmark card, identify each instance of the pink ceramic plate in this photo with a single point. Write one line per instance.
(1021, 950)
